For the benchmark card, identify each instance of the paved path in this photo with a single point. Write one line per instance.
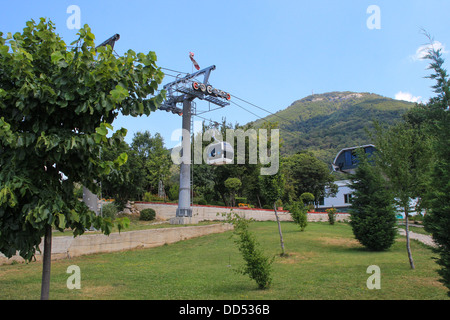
(420, 237)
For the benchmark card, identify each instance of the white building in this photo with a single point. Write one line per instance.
(342, 199)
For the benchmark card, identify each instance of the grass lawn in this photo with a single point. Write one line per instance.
(324, 262)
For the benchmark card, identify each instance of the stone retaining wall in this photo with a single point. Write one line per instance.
(68, 246)
(166, 211)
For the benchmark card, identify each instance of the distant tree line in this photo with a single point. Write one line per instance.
(149, 165)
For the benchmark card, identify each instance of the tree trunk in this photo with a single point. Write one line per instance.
(259, 201)
(279, 229)
(408, 247)
(45, 284)
(224, 199)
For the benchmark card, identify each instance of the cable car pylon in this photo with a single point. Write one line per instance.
(183, 91)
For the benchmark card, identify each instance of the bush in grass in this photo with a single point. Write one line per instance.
(299, 215)
(331, 215)
(257, 266)
(147, 215)
(109, 210)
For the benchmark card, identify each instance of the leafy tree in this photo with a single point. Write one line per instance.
(438, 220)
(128, 181)
(57, 105)
(203, 181)
(233, 185)
(372, 214)
(153, 158)
(404, 155)
(305, 173)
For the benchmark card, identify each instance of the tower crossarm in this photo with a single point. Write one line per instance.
(206, 72)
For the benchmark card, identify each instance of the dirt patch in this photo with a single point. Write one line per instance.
(340, 242)
(94, 292)
(297, 257)
(426, 282)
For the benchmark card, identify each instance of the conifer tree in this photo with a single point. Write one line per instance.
(372, 214)
(437, 222)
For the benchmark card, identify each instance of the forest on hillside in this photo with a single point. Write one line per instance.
(326, 123)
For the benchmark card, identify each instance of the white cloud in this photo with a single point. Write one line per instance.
(422, 51)
(406, 96)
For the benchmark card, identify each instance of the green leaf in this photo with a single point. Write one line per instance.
(101, 130)
(122, 223)
(61, 221)
(97, 138)
(74, 215)
(121, 159)
(69, 96)
(56, 56)
(119, 94)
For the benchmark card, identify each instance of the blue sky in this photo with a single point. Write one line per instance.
(270, 53)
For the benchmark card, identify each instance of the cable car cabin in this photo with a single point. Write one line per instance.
(220, 153)
(346, 160)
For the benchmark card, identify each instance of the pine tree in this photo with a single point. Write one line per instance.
(437, 222)
(372, 214)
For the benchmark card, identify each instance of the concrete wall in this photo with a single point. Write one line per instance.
(68, 246)
(210, 213)
(166, 211)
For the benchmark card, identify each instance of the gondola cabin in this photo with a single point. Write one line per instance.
(346, 160)
(220, 153)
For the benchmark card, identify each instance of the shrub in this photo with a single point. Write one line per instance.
(148, 197)
(299, 215)
(147, 215)
(331, 215)
(173, 192)
(241, 200)
(202, 202)
(109, 210)
(257, 266)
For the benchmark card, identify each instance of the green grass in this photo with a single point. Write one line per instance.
(324, 262)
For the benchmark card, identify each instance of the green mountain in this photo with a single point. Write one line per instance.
(326, 123)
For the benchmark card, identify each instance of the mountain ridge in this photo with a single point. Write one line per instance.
(326, 123)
